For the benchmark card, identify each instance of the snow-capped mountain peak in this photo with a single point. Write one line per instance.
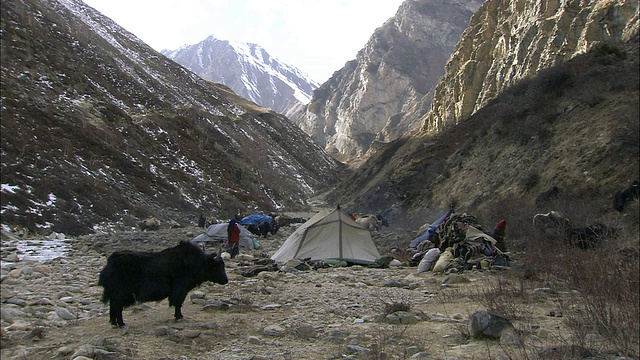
(250, 71)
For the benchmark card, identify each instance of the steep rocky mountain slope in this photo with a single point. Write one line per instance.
(509, 40)
(99, 129)
(574, 126)
(250, 72)
(367, 101)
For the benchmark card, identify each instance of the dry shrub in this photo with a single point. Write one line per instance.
(391, 342)
(391, 308)
(242, 302)
(608, 283)
(393, 302)
(507, 299)
(605, 278)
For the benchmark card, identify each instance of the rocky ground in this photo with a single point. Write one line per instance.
(51, 309)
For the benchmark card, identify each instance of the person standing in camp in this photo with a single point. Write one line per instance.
(233, 238)
(498, 234)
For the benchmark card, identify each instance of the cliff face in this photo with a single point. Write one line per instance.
(574, 126)
(367, 101)
(509, 40)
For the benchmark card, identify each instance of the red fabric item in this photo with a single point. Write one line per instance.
(500, 224)
(234, 236)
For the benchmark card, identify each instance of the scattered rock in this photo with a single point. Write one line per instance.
(393, 283)
(271, 307)
(544, 334)
(421, 355)
(65, 314)
(510, 338)
(484, 324)
(285, 312)
(355, 349)
(161, 331)
(401, 317)
(544, 292)
(273, 331)
(306, 331)
(565, 352)
(456, 279)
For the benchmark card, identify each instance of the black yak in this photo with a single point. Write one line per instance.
(284, 220)
(263, 228)
(589, 237)
(622, 197)
(551, 194)
(134, 277)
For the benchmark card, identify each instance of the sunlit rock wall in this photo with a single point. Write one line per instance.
(509, 40)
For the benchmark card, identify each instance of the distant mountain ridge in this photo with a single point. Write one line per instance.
(250, 71)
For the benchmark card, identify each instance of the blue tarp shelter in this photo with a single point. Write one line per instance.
(426, 234)
(255, 219)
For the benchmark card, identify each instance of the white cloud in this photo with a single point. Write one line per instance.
(317, 36)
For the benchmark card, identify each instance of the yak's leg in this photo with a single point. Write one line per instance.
(120, 320)
(176, 299)
(178, 312)
(112, 313)
(115, 314)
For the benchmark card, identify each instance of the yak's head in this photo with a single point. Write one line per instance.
(217, 273)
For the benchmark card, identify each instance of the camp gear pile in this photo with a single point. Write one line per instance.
(469, 246)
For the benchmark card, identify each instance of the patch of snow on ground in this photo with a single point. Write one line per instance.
(41, 249)
(10, 208)
(234, 109)
(10, 188)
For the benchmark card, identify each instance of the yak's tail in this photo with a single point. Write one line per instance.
(101, 282)
(105, 297)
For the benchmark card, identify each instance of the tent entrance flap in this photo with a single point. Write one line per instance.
(340, 238)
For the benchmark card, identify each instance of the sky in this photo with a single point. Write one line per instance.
(316, 36)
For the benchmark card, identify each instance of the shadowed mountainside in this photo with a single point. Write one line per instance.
(100, 129)
(574, 126)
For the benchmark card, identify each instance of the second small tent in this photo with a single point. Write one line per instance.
(330, 234)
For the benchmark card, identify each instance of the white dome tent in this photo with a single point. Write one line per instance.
(330, 234)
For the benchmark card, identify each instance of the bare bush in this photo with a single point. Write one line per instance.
(605, 279)
(507, 299)
(602, 311)
(608, 283)
(392, 304)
